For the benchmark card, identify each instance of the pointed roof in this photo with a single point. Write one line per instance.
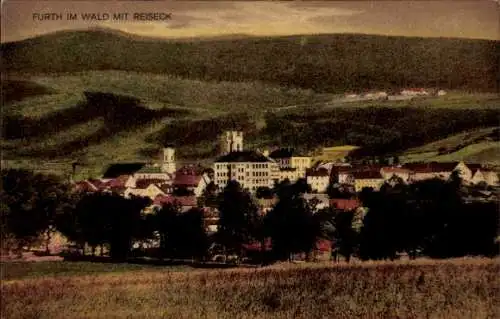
(432, 167)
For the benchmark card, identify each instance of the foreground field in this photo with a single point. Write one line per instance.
(465, 288)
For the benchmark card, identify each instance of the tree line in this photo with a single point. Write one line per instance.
(427, 218)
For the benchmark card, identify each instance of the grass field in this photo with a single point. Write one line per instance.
(475, 146)
(462, 288)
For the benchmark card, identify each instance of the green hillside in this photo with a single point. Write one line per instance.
(279, 90)
(325, 63)
(476, 146)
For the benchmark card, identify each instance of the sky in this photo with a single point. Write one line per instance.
(465, 19)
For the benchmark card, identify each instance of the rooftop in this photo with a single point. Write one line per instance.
(243, 156)
(372, 174)
(433, 167)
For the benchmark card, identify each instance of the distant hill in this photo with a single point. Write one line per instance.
(325, 63)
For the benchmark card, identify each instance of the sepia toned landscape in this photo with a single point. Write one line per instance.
(266, 160)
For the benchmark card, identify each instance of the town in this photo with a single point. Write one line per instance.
(332, 183)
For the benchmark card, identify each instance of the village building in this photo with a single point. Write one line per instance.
(345, 204)
(151, 191)
(367, 179)
(485, 176)
(318, 180)
(388, 172)
(249, 168)
(184, 202)
(423, 171)
(192, 179)
(414, 92)
(292, 166)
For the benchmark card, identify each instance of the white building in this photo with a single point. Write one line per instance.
(292, 165)
(249, 168)
(318, 180)
(414, 92)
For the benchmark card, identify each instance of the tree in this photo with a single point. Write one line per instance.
(30, 206)
(167, 225)
(290, 223)
(193, 240)
(103, 218)
(209, 196)
(238, 221)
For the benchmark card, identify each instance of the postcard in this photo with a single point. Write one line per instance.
(256, 159)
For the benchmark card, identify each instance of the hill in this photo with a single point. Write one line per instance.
(476, 146)
(324, 63)
(58, 124)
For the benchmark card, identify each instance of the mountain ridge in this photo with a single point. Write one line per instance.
(324, 62)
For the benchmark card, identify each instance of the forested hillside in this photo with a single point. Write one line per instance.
(325, 63)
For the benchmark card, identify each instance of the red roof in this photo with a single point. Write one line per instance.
(187, 178)
(372, 174)
(84, 186)
(144, 183)
(433, 167)
(390, 169)
(345, 204)
(99, 184)
(118, 182)
(324, 245)
(256, 246)
(189, 201)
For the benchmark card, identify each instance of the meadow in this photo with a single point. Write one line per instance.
(460, 288)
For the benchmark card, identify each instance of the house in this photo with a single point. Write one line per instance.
(345, 204)
(485, 176)
(192, 179)
(151, 191)
(85, 186)
(249, 168)
(367, 179)
(318, 180)
(388, 172)
(320, 200)
(414, 92)
(288, 157)
(292, 174)
(343, 174)
(185, 202)
(441, 170)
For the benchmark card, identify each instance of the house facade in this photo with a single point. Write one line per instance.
(289, 161)
(318, 180)
(249, 168)
(368, 179)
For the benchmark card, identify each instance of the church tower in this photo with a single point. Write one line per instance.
(168, 160)
(231, 141)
